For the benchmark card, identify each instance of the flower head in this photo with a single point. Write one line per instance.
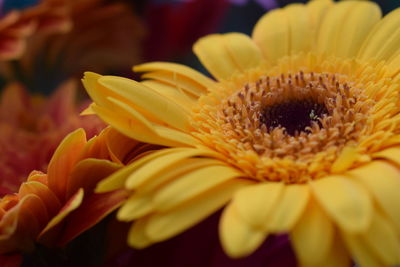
(31, 127)
(299, 134)
(22, 20)
(53, 208)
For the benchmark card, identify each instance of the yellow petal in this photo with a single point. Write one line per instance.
(177, 170)
(312, 236)
(135, 129)
(331, 26)
(391, 154)
(181, 84)
(347, 202)
(271, 34)
(384, 39)
(137, 235)
(171, 93)
(88, 111)
(191, 185)
(338, 255)
(384, 240)
(289, 208)
(301, 36)
(147, 99)
(317, 10)
(214, 55)
(117, 179)
(179, 69)
(355, 28)
(159, 164)
(345, 159)
(244, 52)
(378, 246)
(162, 226)
(383, 181)
(237, 237)
(135, 207)
(255, 203)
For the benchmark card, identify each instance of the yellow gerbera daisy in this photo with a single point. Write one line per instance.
(299, 134)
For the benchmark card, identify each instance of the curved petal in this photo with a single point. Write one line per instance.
(227, 54)
(317, 10)
(300, 30)
(159, 164)
(162, 226)
(355, 28)
(271, 34)
(147, 99)
(383, 41)
(191, 185)
(312, 236)
(137, 237)
(199, 80)
(291, 206)
(347, 202)
(117, 180)
(383, 181)
(73, 203)
(137, 205)
(238, 238)
(93, 209)
(63, 160)
(331, 26)
(255, 203)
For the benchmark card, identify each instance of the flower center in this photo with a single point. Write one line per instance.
(293, 116)
(289, 128)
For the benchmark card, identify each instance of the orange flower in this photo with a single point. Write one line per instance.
(32, 127)
(54, 208)
(17, 25)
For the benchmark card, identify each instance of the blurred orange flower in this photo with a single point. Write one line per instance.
(17, 25)
(31, 127)
(54, 208)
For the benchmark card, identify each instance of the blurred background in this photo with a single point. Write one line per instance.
(46, 45)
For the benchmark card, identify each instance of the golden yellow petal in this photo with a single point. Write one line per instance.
(346, 158)
(384, 40)
(312, 236)
(378, 246)
(384, 240)
(136, 206)
(331, 27)
(391, 154)
(244, 52)
(290, 207)
(137, 237)
(191, 185)
(215, 57)
(347, 202)
(178, 69)
(162, 226)
(147, 99)
(383, 181)
(157, 165)
(317, 10)
(176, 170)
(117, 179)
(271, 34)
(338, 255)
(133, 128)
(171, 93)
(301, 35)
(237, 237)
(255, 203)
(355, 28)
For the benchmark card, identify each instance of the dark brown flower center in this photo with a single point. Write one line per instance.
(293, 116)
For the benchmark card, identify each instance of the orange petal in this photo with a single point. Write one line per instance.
(63, 160)
(93, 209)
(73, 203)
(88, 172)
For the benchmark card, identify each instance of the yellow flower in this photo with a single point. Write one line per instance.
(299, 134)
